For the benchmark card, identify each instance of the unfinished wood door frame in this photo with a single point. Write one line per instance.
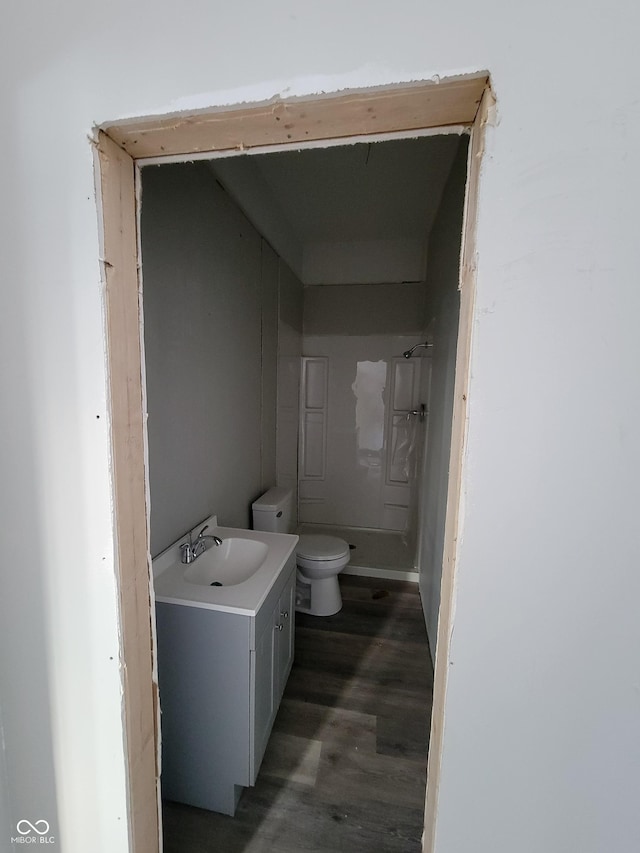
(456, 461)
(371, 112)
(129, 478)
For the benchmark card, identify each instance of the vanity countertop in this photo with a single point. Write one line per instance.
(171, 586)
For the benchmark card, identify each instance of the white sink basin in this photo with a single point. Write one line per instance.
(234, 577)
(231, 563)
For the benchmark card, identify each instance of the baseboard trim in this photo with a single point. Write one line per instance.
(387, 574)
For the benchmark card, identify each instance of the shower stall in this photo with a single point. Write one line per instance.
(363, 428)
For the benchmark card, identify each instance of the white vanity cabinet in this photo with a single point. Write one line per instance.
(221, 677)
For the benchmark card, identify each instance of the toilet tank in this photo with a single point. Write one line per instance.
(273, 512)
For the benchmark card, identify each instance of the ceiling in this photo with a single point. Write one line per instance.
(345, 204)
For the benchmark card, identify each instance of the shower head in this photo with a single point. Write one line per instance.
(408, 353)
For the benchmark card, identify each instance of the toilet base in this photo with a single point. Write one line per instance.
(318, 597)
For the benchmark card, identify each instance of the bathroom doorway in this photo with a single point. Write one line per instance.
(119, 206)
(302, 279)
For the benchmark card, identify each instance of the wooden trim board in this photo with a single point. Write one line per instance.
(118, 197)
(392, 109)
(456, 461)
(451, 102)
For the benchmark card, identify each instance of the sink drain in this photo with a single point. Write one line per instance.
(215, 583)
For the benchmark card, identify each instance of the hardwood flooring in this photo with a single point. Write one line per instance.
(345, 767)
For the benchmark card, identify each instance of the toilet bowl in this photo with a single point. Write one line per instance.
(319, 558)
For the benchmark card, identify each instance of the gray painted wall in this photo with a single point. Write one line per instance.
(442, 317)
(211, 331)
(270, 269)
(290, 313)
(246, 184)
(364, 309)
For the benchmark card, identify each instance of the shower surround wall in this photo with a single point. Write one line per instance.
(222, 325)
(354, 432)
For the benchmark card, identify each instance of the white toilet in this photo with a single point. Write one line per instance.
(319, 558)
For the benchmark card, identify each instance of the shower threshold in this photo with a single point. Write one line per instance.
(374, 553)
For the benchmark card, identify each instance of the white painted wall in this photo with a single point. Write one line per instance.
(441, 318)
(541, 747)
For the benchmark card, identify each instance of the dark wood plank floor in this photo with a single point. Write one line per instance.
(345, 768)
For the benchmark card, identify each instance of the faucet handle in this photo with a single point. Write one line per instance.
(202, 531)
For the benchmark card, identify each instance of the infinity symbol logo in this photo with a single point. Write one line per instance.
(41, 827)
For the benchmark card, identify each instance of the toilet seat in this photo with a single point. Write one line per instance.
(321, 547)
(321, 556)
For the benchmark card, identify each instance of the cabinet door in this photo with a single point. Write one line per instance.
(265, 700)
(285, 637)
(272, 661)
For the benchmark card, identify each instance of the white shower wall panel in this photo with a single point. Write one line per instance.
(355, 434)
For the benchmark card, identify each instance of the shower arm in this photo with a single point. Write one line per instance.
(408, 353)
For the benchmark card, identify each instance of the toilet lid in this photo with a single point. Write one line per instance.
(320, 547)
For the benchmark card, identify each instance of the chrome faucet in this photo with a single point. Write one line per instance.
(190, 551)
